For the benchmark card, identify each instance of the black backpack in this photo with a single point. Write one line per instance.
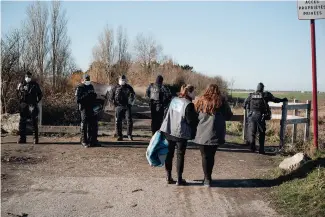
(256, 100)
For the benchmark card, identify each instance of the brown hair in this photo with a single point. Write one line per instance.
(185, 89)
(210, 101)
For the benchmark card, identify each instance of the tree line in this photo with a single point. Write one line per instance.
(41, 45)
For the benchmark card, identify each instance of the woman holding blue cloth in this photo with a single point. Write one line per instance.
(213, 111)
(179, 126)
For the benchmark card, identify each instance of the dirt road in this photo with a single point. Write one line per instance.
(60, 178)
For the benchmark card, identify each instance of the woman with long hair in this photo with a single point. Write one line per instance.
(179, 125)
(213, 112)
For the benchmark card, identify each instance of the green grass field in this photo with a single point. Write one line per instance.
(290, 95)
(304, 194)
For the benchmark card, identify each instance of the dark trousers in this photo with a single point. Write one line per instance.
(120, 113)
(208, 152)
(157, 116)
(88, 126)
(181, 149)
(256, 123)
(28, 111)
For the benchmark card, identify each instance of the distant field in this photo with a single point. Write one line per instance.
(290, 95)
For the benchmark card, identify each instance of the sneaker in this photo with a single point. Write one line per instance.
(181, 182)
(95, 144)
(130, 138)
(85, 145)
(119, 139)
(207, 183)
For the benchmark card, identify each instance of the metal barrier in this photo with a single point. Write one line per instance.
(143, 112)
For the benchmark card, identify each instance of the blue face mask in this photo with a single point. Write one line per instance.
(87, 83)
(28, 79)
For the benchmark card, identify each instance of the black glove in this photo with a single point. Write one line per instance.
(285, 99)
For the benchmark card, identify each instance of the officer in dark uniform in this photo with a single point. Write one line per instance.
(123, 97)
(29, 94)
(160, 97)
(258, 112)
(86, 99)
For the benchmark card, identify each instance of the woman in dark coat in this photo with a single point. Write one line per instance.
(213, 112)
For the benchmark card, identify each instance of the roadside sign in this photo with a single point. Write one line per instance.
(311, 9)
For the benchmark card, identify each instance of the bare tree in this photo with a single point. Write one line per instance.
(37, 36)
(105, 51)
(124, 57)
(60, 42)
(12, 49)
(147, 51)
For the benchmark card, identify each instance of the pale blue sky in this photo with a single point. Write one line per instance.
(247, 41)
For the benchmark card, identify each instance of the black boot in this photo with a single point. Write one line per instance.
(119, 138)
(181, 182)
(119, 131)
(21, 140)
(95, 144)
(169, 178)
(35, 126)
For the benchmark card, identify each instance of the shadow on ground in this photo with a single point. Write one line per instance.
(300, 173)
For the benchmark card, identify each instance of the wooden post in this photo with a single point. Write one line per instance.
(294, 127)
(283, 124)
(40, 114)
(307, 124)
(244, 125)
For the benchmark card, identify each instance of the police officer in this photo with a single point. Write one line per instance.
(123, 97)
(86, 99)
(29, 94)
(160, 97)
(258, 112)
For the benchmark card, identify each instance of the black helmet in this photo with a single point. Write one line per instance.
(260, 87)
(28, 74)
(159, 79)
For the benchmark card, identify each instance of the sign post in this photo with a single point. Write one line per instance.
(311, 10)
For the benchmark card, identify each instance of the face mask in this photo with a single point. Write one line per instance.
(192, 95)
(27, 79)
(121, 82)
(87, 82)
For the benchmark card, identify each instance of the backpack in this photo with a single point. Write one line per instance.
(155, 92)
(257, 100)
(121, 96)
